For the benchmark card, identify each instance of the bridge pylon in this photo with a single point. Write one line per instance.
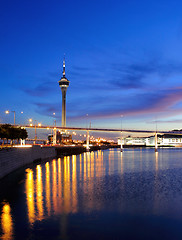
(54, 136)
(156, 144)
(87, 141)
(121, 143)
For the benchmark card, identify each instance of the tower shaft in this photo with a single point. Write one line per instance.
(63, 89)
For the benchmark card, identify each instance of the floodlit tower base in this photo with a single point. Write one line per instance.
(87, 142)
(121, 143)
(54, 136)
(156, 145)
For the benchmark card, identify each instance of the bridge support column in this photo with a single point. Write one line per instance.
(121, 143)
(87, 141)
(156, 145)
(54, 136)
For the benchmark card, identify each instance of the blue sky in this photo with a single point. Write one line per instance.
(123, 58)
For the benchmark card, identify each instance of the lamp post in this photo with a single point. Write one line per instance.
(87, 120)
(7, 112)
(14, 112)
(54, 130)
(54, 114)
(39, 125)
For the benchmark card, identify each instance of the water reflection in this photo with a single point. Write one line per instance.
(39, 193)
(6, 222)
(74, 185)
(156, 161)
(53, 187)
(67, 189)
(30, 195)
(48, 189)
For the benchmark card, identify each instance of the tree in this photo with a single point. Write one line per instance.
(8, 131)
(23, 133)
(5, 132)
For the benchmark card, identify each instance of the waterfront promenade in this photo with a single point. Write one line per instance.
(12, 158)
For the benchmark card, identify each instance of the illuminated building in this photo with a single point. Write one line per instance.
(63, 137)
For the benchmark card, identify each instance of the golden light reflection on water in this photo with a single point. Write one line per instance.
(6, 222)
(60, 202)
(54, 185)
(156, 161)
(66, 186)
(29, 186)
(52, 188)
(48, 189)
(92, 163)
(74, 185)
(99, 164)
(39, 193)
(80, 165)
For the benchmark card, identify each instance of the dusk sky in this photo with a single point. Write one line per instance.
(123, 58)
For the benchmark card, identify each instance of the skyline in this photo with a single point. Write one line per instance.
(122, 59)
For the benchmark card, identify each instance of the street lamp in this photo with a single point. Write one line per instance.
(39, 125)
(7, 112)
(87, 120)
(54, 116)
(121, 121)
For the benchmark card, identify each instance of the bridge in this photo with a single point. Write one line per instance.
(55, 128)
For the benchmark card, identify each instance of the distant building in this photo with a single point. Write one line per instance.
(174, 140)
(165, 140)
(134, 141)
(63, 137)
(119, 141)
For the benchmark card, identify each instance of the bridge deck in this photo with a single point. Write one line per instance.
(101, 129)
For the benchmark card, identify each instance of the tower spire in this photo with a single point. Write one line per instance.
(64, 74)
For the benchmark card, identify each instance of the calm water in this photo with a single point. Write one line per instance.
(107, 194)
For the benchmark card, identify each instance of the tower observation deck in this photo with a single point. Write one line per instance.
(64, 83)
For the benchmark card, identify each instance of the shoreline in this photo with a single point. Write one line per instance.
(12, 159)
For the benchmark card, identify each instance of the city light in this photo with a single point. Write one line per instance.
(7, 112)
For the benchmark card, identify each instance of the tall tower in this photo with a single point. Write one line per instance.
(64, 83)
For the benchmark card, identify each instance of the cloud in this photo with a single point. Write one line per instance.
(47, 109)
(137, 75)
(161, 102)
(41, 90)
(136, 105)
(166, 121)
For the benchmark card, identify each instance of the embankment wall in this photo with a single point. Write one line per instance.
(14, 158)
